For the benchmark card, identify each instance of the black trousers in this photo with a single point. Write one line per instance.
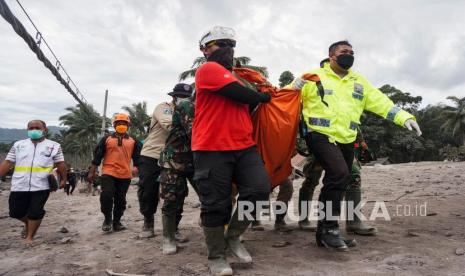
(215, 171)
(69, 189)
(113, 196)
(336, 160)
(149, 186)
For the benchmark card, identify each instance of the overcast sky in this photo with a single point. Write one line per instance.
(137, 49)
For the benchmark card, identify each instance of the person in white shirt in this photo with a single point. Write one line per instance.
(34, 159)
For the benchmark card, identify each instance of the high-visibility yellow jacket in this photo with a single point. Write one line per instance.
(346, 100)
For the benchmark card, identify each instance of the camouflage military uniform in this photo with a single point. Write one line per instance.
(176, 160)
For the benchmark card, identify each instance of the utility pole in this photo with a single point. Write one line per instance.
(104, 113)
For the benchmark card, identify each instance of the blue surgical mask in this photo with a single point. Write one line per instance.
(35, 134)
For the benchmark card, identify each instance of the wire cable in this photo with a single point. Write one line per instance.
(35, 47)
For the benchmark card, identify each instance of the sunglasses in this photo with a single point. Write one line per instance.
(208, 45)
(218, 43)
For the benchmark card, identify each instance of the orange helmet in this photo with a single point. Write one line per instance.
(120, 117)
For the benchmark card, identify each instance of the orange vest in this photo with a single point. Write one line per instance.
(117, 158)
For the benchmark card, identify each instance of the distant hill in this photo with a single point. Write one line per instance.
(8, 135)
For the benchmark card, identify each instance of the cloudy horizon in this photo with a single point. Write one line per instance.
(137, 49)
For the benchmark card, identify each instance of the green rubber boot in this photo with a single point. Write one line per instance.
(169, 230)
(214, 237)
(235, 229)
(356, 226)
(305, 195)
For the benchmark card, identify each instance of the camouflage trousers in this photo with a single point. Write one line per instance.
(313, 171)
(174, 190)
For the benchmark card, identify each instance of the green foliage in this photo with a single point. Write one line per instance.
(140, 121)
(285, 78)
(455, 119)
(82, 131)
(5, 147)
(401, 145)
(402, 99)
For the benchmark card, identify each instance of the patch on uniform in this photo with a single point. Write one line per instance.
(353, 125)
(20, 148)
(357, 96)
(187, 87)
(328, 92)
(358, 88)
(168, 111)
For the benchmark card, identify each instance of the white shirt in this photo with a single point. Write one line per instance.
(33, 163)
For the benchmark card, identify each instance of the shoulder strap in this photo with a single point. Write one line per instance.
(316, 79)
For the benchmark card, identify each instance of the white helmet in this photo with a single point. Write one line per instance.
(218, 33)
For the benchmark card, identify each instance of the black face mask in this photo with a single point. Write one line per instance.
(345, 61)
(223, 56)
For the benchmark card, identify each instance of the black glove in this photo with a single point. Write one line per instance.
(265, 97)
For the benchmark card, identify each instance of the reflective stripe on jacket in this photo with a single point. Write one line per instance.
(33, 163)
(347, 98)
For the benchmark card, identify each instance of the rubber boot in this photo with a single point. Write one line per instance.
(235, 230)
(330, 237)
(107, 223)
(348, 241)
(280, 224)
(148, 228)
(305, 196)
(216, 244)
(356, 225)
(117, 226)
(169, 229)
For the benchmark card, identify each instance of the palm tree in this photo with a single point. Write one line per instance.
(239, 61)
(139, 119)
(455, 119)
(83, 129)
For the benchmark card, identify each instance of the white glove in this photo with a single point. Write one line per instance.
(298, 83)
(411, 124)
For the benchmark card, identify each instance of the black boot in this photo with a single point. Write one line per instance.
(117, 226)
(330, 237)
(148, 228)
(107, 223)
(280, 223)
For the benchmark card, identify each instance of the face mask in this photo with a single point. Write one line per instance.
(121, 129)
(223, 56)
(35, 134)
(345, 61)
(179, 100)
